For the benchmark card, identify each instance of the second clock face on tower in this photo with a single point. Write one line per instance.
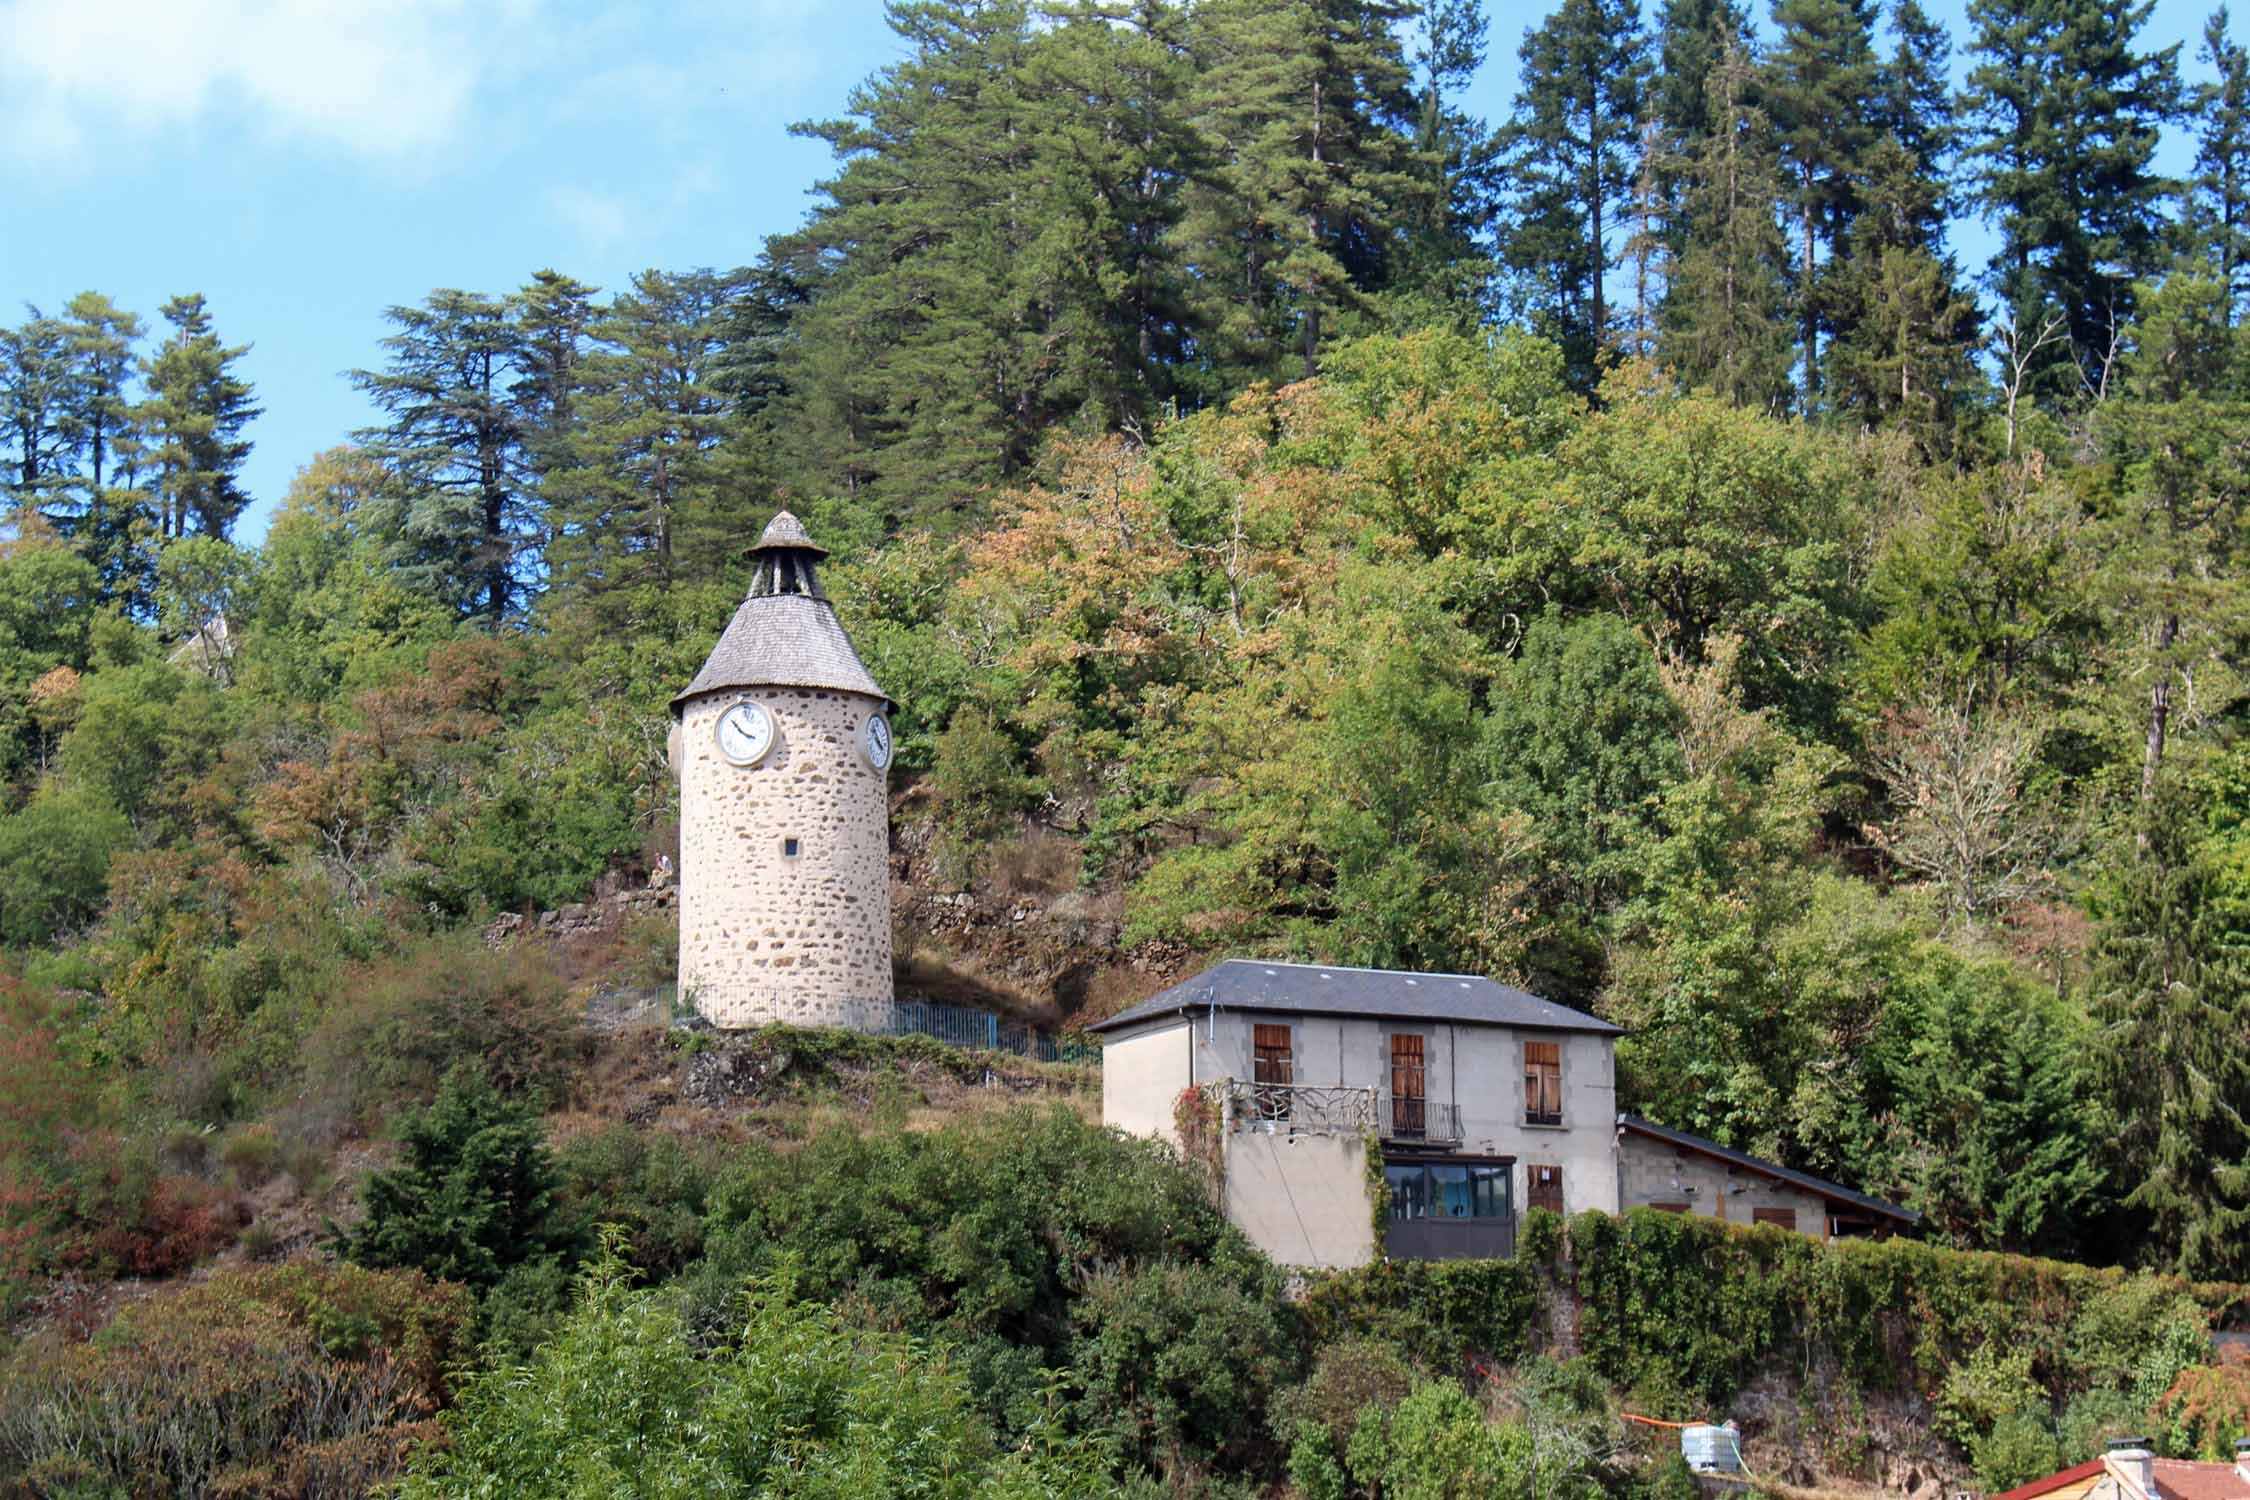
(745, 733)
(875, 741)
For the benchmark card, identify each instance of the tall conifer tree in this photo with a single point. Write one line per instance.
(34, 412)
(459, 522)
(1570, 158)
(649, 491)
(2172, 992)
(191, 423)
(921, 365)
(2218, 218)
(1819, 82)
(2069, 112)
(1307, 107)
(1904, 330)
(1724, 322)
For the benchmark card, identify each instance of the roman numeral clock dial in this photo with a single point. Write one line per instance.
(745, 733)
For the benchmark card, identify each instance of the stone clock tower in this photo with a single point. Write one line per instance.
(784, 753)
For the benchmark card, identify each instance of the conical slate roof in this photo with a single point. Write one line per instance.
(785, 531)
(785, 634)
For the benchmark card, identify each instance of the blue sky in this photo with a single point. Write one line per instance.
(304, 165)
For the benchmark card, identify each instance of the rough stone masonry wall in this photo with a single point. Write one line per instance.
(764, 937)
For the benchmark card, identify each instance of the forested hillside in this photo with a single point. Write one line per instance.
(1618, 548)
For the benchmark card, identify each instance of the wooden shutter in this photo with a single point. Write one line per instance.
(1409, 1085)
(1542, 1083)
(1272, 1062)
(1272, 1069)
(1785, 1217)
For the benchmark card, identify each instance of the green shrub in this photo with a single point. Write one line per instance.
(980, 783)
(2019, 1448)
(1348, 1376)
(476, 1196)
(1180, 1361)
(653, 1187)
(2091, 1418)
(990, 1234)
(250, 1154)
(1438, 1313)
(301, 1380)
(799, 1401)
(406, 1021)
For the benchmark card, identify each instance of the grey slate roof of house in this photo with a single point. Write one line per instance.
(1334, 989)
(1819, 1186)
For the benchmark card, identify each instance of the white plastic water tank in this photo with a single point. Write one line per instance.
(1712, 1450)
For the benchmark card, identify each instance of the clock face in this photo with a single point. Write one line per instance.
(875, 742)
(745, 733)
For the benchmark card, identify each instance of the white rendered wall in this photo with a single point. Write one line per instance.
(764, 937)
(1143, 1073)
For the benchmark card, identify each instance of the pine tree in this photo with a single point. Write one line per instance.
(459, 524)
(551, 315)
(2172, 992)
(1108, 85)
(920, 367)
(34, 413)
(2177, 434)
(1902, 354)
(651, 489)
(2065, 164)
(1724, 322)
(2218, 218)
(191, 423)
(111, 521)
(1904, 331)
(1691, 38)
(1570, 157)
(100, 337)
(1914, 95)
(1307, 109)
(1445, 272)
(1817, 86)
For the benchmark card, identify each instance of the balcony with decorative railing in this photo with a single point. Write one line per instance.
(1300, 1109)
(1310, 1109)
(1411, 1121)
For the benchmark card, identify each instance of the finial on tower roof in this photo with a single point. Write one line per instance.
(785, 531)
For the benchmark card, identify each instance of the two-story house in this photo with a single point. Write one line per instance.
(1483, 1101)
(1479, 1096)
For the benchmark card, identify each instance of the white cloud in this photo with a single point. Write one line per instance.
(600, 220)
(381, 77)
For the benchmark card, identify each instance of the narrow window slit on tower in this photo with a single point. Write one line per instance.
(788, 848)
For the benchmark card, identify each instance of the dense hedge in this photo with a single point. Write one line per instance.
(1684, 1305)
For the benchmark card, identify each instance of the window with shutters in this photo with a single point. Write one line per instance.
(1784, 1217)
(1545, 1184)
(1542, 1083)
(1409, 1087)
(1273, 1070)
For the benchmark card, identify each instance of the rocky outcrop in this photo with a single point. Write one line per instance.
(584, 917)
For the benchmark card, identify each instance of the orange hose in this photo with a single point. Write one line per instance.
(1626, 1416)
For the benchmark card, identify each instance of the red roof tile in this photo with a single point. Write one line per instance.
(2037, 1487)
(2184, 1479)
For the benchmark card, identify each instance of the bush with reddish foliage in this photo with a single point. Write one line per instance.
(304, 1380)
